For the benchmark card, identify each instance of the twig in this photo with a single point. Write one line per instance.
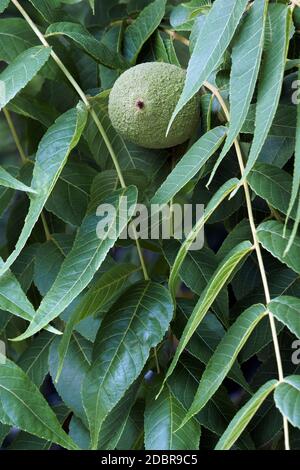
(14, 135)
(177, 37)
(295, 3)
(156, 361)
(46, 228)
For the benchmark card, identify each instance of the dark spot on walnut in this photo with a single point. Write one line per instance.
(140, 104)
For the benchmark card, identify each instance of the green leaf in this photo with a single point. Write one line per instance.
(25, 441)
(271, 77)
(99, 295)
(5, 319)
(16, 36)
(190, 164)
(47, 8)
(49, 258)
(133, 326)
(142, 28)
(115, 424)
(247, 283)
(113, 427)
(160, 51)
(70, 196)
(246, 58)
(162, 417)
(218, 412)
(79, 433)
(182, 16)
(76, 366)
(238, 234)
(4, 430)
(213, 40)
(133, 433)
(244, 416)
(277, 150)
(83, 261)
(272, 184)
(23, 406)
(103, 186)
(296, 182)
(30, 107)
(3, 5)
(286, 309)
(88, 43)
(196, 272)
(14, 300)
(283, 124)
(287, 399)
(51, 157)
(260, 338)
(224, 357)
(21, 71)
(205, 339)
(6, 195)
(34, 361)
(218, 280)
(294, 230)
(216, 200)
(105, 289)
(9, 181)
(230, 205)
(172, 55)
(270, 235)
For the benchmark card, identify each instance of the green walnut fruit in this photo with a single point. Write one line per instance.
(142, 102)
